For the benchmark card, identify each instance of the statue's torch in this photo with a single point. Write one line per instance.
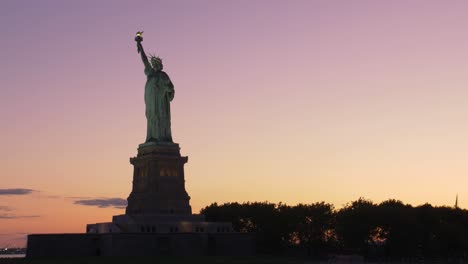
(139, 39)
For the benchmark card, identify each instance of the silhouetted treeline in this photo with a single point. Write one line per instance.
(389, 230)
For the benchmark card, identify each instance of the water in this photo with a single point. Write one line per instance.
(12, 255)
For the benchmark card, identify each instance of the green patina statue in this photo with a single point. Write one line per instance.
(159, 92)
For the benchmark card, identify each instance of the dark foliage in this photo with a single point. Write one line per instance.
(389, 230)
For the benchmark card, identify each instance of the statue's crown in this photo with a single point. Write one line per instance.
(156, 58)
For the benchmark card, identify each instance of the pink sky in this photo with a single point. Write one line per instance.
(296, 102)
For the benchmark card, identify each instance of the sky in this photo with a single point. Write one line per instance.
(293, 102)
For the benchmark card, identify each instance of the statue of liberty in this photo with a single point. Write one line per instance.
(159, 92)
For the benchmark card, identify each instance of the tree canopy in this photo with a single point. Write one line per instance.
(390, 229)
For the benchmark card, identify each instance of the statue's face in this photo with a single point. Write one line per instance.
(157, 64)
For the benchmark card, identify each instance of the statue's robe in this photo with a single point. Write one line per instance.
(159, 92)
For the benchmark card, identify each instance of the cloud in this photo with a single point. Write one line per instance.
(5, 211)
(104, 202)
(5, 208)
(17, 191)
(79, 197)
(53, 196)
(7, 216)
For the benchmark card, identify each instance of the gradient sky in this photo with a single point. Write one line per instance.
(291, 101)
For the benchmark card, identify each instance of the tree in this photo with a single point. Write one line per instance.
(354, 223)
(310, 227)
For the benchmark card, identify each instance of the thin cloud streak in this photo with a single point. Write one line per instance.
(5, 208)
(16, 191)
(6, 216)
(104, 202)
(10, 216)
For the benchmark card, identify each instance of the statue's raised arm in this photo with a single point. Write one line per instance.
(140, 50)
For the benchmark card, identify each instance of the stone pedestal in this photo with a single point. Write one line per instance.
(158, 219)
(158, 181)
